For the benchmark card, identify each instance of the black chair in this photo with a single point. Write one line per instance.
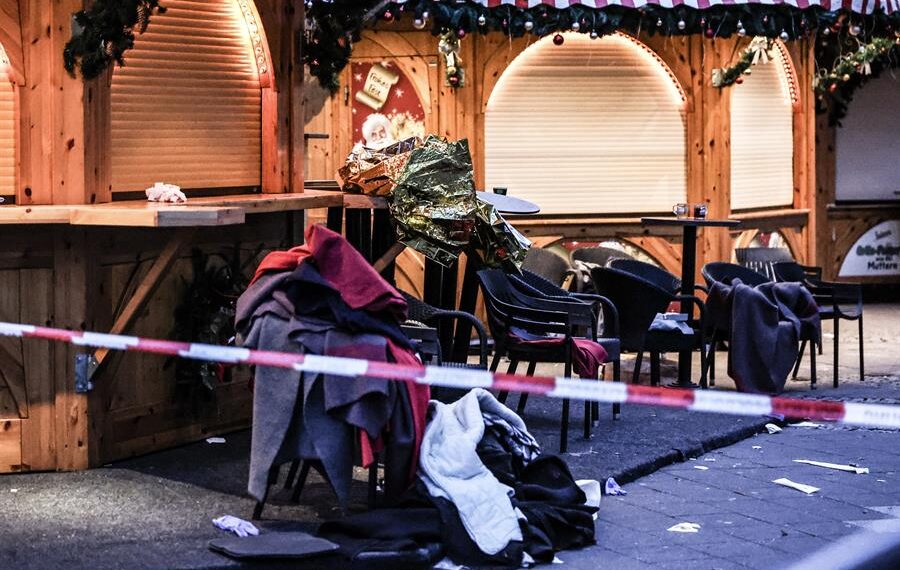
(656, 275)
(722, 272)
(435, 348)
(638, 302)
(514, 315)
(761, 259)
(586, 258)
(548, 265)
(598, 255)
(836, 301)
(534, 285)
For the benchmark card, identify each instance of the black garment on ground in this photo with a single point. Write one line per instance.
(545, 492)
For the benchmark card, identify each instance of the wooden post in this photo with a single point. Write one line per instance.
(76, 270)
(67, 117)
(295, 14)
(715, 111)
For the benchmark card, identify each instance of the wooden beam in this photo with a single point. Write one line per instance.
(13, 375)
(147, 288)
(388, 257)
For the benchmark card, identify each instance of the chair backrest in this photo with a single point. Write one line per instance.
(722, 272)
(598, 255)
(547, 264)
(791, 271)
(636, 299)
(656, 275)
(761, 259)
(436, 342)
(541, 284)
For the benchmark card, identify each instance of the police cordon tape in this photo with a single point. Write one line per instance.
(873, 415)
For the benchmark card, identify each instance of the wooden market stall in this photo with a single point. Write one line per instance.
(601, 130)
(599, 145)
(208, 101)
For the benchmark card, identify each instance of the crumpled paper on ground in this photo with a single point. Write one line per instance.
(237, 526)
(162, 192)
(685, 527)
(613, 488)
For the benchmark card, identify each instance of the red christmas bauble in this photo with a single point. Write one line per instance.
(832, 88)
(460, 33)
(558, 39)
(389, 16)
(453, 80)
(710, 33)
(739, 80)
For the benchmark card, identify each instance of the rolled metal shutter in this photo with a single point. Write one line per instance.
(591, 126)
(762, 138)
(186, 107)
(7, 130)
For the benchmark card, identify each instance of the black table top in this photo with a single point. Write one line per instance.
(673, 221)
(509, 204)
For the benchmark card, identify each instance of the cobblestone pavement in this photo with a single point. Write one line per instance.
(746, 521)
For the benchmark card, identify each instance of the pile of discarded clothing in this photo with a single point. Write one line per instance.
(485, 496)
(471, 485)
(323, 298)
(765, 325)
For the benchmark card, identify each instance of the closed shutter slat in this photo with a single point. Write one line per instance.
(592, 126)
(7, 133)
(762, 139)
(186, 109)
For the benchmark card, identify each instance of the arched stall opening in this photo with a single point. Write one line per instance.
(187, 107)
(762, 135)
(589, 126)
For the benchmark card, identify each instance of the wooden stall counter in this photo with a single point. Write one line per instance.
(197, 212)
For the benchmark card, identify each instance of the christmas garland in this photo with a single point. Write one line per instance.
(759, 51)
(453, 70)
(834, 88)
(103, 33)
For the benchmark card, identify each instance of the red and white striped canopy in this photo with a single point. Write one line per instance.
(858, 6)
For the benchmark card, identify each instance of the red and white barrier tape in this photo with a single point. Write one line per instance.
(875, 415)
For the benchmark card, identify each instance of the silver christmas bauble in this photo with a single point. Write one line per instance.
(784, 36)
(682, 24)
(482, 20)
(529, 25)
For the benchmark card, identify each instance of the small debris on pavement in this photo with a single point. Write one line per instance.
(806, 424)
(838, 466)
(215, 440)
(613, 488)
(685, 527)
(881, 480)
(13, 490)
(709, 459)
(238, 526)
(772, 428)
(701, 467)
(757, 447)
(808, 489)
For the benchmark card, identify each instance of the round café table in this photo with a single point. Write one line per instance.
(688, 270)
(509, 204)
